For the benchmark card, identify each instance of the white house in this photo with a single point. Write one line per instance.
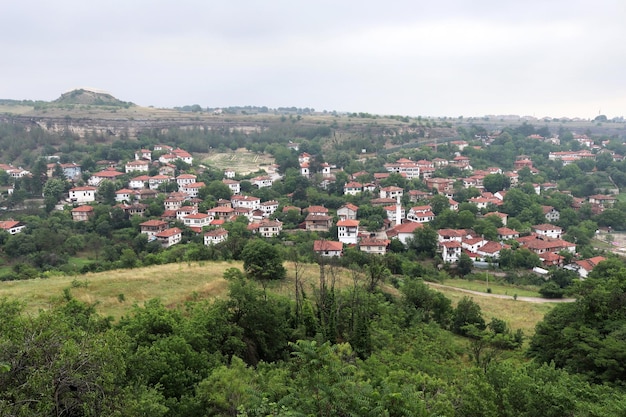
(420, 214)
(139, 182)
(348, 231)
(169, 237)
(450, 251)
(140, 165)
(184, 179)
(124, 195)
(81, 195)
(197, 221)
(216, 236)
(235, 186)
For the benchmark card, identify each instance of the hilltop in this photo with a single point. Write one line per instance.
(90, 97)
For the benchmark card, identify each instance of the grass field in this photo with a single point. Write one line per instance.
(241, 161)
(115, 292)
(496, 288)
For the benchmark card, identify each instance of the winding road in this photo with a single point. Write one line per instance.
(510, 297)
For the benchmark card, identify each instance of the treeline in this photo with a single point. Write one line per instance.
(330, 352)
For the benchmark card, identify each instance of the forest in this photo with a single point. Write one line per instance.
(353, 351)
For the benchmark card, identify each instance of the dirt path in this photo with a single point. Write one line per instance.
(510, 297)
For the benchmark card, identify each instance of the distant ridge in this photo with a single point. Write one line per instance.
(91, 97)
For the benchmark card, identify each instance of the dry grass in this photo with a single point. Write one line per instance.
(114, 292)
(241, 160)
(518, 314)
(496, 288)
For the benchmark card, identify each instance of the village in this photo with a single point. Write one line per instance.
(405, 209)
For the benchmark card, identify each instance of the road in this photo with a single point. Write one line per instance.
(510, 297)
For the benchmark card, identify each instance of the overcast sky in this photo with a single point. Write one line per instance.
(402, 57)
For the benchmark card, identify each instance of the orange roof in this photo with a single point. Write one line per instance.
(169, 232)
(327, 245)
(348, 223)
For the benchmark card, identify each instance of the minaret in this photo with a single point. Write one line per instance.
(398, 211)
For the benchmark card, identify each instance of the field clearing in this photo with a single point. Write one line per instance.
(518, 314)
(241, 161)
(115, 292)
(496, 288)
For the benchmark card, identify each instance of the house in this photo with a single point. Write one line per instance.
(418, 195)
(348, 231)
(448, 235)
(11, 226)
(135, 209)
(152, 227)
(184, 179)
(139, 182)
(169, 237)
(491, 250)
(262, 181)
(472, 244)
(548, 230)
(504, 233)
(82, 213)
(108, 174)
(269, 207)
(267, 228)
(395, 213)
(145, 194)
(404, 232)
(197, 221)
(183, 155)
(234, 186)
(229, 173)
(604, 201)
(352, 188)
(391, 192)
(213, 237)
(318, 223)
(124, 195)
(71, 171)
(245, 201)
(185, 211)
(420, 214)
(165, 148)
(222, 213)
(347, 212)
(193, 189)
(157, 180)
(173, 202)
(327, 248)
(167, 169)
(552, 215)
(374, 245)
(585, 266)
(540, 245)
(140, 165)
(443, 186)
(318, 210)
(405, 167)
(143, 154)
(450, 250)
(82, 195)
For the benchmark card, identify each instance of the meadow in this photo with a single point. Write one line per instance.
(115, 292)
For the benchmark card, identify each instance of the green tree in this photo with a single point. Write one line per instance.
(53, 191)
(262, 261)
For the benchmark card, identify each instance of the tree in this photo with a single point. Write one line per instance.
(53, 190)
(466, 313)
(496, 182)
(465, 264)
(439, 203)
(262, 261)
(424, 241)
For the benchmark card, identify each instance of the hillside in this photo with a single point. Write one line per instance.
(89, 97)
(115, 292)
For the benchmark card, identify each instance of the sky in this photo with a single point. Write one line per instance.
(554, 58)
